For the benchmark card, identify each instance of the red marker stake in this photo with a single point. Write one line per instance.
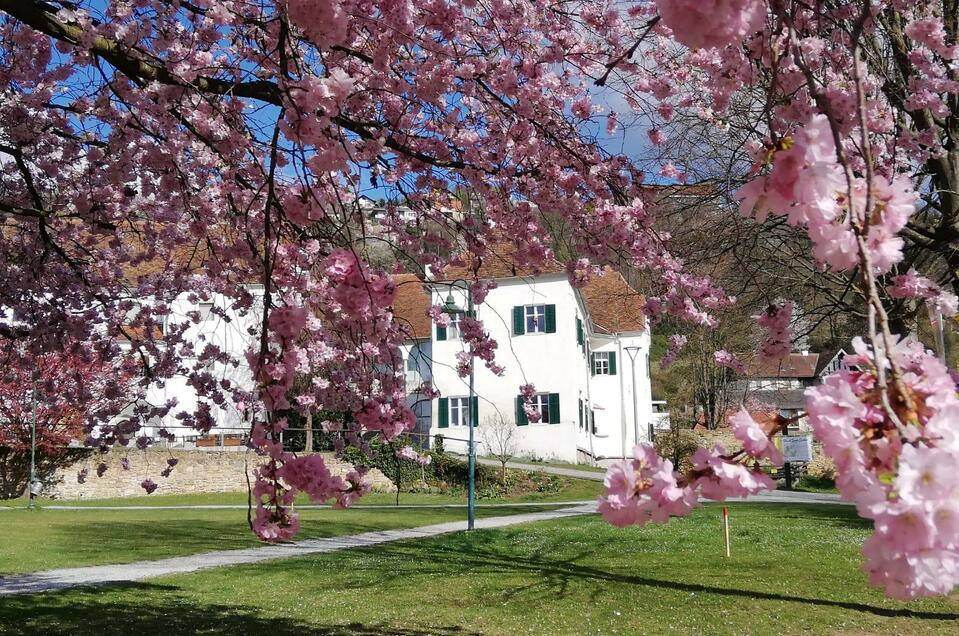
(726, 528)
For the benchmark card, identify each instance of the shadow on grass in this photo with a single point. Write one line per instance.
(829, 515)
(482, 554)
(164, 610)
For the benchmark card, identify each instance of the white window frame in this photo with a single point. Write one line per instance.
(453, 329)
(534, 317)
(541, 401)
(459, 411)
(205, 309)
(601, 363)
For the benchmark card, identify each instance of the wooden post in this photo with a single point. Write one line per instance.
(726, 528)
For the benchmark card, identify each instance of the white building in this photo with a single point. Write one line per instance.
(208, 322)
(576, 346)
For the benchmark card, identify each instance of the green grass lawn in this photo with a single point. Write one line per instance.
(795, 570)
(44, 539)
(575, 490)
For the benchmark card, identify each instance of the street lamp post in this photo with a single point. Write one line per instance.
(33, 443)
(450, 307)
(633, 352)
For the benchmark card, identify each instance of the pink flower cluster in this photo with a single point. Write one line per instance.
(756, 442)
(726, 359)
(643, 490)
(914, 285)
(409, 454)
(438, 316)
(647, 489)
(902, 472)
(807, 184)
(777, 343)
(676, 344)
(718, 478)
(701, 24)
(480, 346)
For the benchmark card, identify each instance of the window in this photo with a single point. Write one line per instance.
(453, 329)
(540, 402)
(601, 363)
(535, 318)
(604, 363)
(459, 411)
(546, 403)
(412, 364)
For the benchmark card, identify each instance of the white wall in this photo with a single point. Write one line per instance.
(612, 396)
(422, 355)
(230, 334)
(554, 363)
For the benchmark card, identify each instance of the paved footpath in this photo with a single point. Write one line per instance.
(775, 496)
(74, 577)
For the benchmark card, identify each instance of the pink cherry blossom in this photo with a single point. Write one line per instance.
(755, 440)
(712, 23)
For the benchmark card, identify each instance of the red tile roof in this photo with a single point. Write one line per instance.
(499, 262)
(795, 365)
(410, 305)
(614, 306)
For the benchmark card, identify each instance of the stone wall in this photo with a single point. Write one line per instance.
(197, 471)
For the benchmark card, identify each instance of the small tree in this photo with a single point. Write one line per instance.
(499, 435)
(65, 392)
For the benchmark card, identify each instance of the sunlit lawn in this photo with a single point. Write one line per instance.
(47, 538)
(575, 490)
(795, 570)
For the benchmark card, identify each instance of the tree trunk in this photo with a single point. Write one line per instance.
(309, 432)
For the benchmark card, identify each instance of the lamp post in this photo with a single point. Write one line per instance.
(33, 443)
(633, 351)
(450, 307)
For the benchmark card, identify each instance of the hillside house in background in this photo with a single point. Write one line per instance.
(781, 383)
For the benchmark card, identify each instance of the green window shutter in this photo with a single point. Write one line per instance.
(579, 332)
(581, 413)
(519, 321)
(612, 363)
(440, 333)
(444, 414)
(474, 411)
(471, 314)
(521, 419)
(550, 318)
(592, 364)
(554, 408)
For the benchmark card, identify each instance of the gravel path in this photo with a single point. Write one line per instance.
(74, 577)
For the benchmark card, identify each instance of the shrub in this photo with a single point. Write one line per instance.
(405, 474)
(677, 446)
(822, 467)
